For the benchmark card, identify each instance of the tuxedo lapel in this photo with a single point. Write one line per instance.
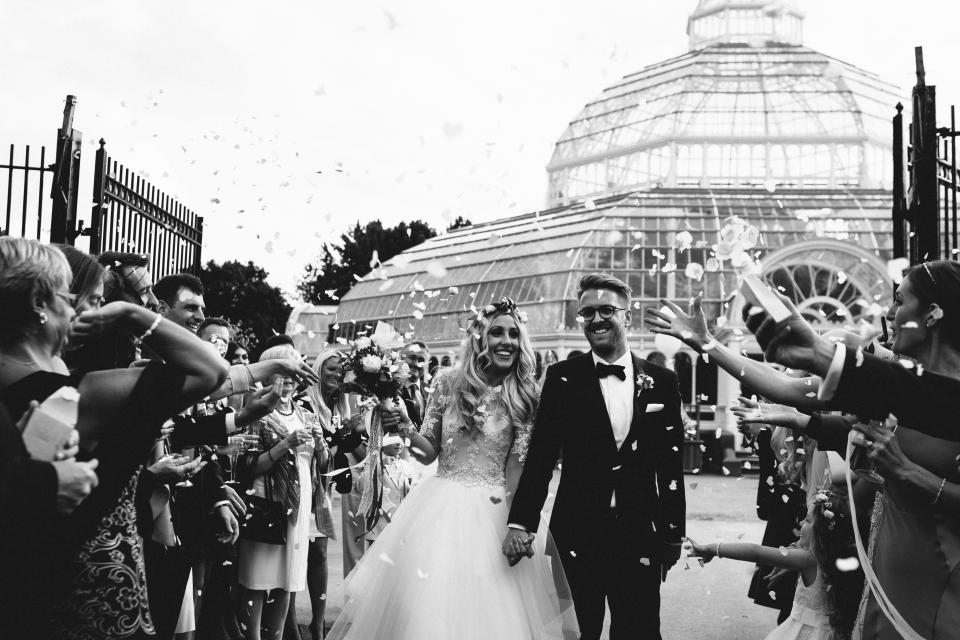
(596, 407)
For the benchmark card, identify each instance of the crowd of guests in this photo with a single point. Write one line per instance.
(157, 482)
(893, 399)
(185, 491)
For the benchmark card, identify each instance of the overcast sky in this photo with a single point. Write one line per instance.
(310, 116)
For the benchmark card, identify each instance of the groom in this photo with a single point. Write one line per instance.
(619, 512)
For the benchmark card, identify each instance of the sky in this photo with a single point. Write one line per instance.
(286, 123)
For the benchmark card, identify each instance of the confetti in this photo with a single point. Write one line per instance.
(496, 500)
(694, 485)
(847, 564)
(645, 562)
(387, 559)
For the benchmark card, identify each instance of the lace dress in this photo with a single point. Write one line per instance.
(437, 571)
(808, 619)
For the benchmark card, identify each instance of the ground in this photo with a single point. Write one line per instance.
(708, 603)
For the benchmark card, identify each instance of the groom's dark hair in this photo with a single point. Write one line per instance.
(604, 281)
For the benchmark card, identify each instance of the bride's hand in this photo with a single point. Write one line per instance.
(690, 328)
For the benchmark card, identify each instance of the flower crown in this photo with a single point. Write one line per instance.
(505, 306)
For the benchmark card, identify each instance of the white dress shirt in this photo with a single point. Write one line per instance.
(618, 396)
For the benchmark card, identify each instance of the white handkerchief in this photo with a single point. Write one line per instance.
(653, 407)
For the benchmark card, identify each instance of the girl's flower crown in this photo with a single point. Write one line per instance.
(505, 306)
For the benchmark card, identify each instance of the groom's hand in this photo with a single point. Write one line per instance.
(516, 545)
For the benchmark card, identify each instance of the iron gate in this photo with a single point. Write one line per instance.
(129, 214)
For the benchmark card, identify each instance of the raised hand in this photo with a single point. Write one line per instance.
(297, 369)
(792, 343)
(751, 412)
(690, 328)
(261, 402)
(703, 552)
(171, 469)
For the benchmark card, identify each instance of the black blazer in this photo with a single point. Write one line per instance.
(407, 397)
(647, 471)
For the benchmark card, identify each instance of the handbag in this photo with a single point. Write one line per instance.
(266, 521)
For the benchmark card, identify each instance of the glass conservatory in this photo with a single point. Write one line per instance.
(749, 127)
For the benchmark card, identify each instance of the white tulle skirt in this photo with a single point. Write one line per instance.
(436, 571)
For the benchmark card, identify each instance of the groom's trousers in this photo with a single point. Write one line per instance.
(616, 571)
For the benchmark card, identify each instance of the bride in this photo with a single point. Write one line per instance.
(437, 570)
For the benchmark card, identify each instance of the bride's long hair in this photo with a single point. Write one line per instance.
(468, 383)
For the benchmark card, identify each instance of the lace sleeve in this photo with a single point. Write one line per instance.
(433, 414)
(521, 440)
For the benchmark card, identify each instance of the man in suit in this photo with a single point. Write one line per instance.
(618, 518)
(414, 392)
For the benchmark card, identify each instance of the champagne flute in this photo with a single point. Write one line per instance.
(860, 462)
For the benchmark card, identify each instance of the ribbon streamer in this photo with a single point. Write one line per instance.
(899, 623)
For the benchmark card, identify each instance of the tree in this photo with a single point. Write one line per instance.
(240, 293)
(326, 282)
(459, 223)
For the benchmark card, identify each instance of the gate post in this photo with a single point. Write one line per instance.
(925, 200)
(899, 204)
(99, 199)
(63, 218)
(197, 248)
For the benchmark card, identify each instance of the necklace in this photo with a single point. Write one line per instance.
(283, 413)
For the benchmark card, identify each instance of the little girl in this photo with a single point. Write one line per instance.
(828, 592)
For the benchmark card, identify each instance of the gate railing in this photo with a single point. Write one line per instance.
(130, 214)
(19, 221)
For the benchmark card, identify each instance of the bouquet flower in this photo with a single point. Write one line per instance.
(372, 373)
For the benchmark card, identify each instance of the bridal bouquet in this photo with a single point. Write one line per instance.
(371, 372)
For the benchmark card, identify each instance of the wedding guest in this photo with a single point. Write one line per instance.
(237, 353)
(120, 415)
(825, 604)
(918, 460)
(289, 471)
(135, 279)
(413, 393)
(549, 358)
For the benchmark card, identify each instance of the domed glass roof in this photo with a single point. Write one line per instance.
(747, 107)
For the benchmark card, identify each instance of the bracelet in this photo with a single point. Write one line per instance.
(149, 332)
(939, 491)
(718, 550)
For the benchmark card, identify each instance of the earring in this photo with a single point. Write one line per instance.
(43, 317)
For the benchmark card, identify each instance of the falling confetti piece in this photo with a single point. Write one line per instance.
(694, 485)
(847, 564)
(496, 500)
(645, 562)
(385, 558)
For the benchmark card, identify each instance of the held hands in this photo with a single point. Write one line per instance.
(690, 328)
(517, 545)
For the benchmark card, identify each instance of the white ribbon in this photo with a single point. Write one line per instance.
(902, 626)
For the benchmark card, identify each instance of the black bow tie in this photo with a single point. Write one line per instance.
(604, 370)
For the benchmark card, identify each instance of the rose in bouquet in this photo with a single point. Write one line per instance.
(373, 373)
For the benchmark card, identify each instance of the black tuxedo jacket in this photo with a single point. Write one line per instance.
(646, 473)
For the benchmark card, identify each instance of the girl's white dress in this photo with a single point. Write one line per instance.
(809, 618)
(436, 572)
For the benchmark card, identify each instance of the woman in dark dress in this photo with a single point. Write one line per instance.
(91, 562)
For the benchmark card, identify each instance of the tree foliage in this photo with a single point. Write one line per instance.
(240, 293)
(328, 281)
(459, 223)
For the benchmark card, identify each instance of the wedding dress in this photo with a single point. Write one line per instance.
(436, 571)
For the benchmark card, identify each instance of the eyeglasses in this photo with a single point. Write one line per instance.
(606, 312)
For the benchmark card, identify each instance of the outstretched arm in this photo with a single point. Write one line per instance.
(786, 558)
(691, 329)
